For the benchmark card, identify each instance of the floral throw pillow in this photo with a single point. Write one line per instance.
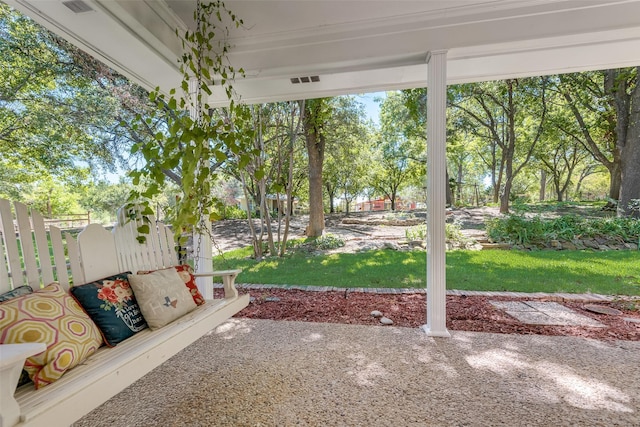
(186, 273)
(112, 306)
(50, 316)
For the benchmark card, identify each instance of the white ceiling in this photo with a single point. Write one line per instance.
(357, 46)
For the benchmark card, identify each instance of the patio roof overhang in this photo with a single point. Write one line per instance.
(355, 46)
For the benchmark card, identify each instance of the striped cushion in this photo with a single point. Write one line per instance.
(53, 317)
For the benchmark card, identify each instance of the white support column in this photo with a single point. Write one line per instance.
(436, 197)
(201, 242)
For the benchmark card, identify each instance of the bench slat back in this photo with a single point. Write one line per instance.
(157, 250)
(97, 252)
(59, 259)
(31, 254)
(26, 250)
(42, 245)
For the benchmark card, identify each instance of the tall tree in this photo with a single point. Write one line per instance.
(511, 115)
(52, 113)
(400, 148)
(558, 154)
(317, 113)
(594, 124)
(348, 151)
(606, 107)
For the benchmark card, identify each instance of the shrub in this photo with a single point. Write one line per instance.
(399, 216)
(517, 229)
(234, 212)
(329, 241)
(453, 232)
(419, 232)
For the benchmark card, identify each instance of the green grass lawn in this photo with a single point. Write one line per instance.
(613, 273)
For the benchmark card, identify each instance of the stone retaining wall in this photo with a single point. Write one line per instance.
(596, 243)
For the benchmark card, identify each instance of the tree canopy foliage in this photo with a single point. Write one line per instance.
(65, 119)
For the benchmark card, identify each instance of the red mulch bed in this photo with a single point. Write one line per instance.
(472, 313)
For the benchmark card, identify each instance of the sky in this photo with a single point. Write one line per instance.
(372, 107)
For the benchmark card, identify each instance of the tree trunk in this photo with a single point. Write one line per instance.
(459, 189)
(315, 142)
(449, 193)
(556, 184)
(508, 151)
(256, 239)
(292, 139)
(543, 185)
(629, 204)
(615, 177)
(331, 194)
(495, 181)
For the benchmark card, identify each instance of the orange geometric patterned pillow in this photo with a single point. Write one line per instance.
(53, 317)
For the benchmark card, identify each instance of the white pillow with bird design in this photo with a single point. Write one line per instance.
(162, 296)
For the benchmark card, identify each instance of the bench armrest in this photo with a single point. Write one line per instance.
(228, 280)
(12, 358)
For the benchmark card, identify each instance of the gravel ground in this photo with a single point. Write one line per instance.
(251, 372)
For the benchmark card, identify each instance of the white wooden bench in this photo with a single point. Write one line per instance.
(95, 254)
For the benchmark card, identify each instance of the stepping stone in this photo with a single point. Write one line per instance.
(386, 321)
(545, 313)
(512, 306)
(602, 309)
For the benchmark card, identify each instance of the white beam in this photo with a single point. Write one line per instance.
(436, 197)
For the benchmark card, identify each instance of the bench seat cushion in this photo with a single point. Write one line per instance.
(53, 317)
(112, 306)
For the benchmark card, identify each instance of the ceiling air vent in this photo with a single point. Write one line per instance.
(77, 6)
(305, 79)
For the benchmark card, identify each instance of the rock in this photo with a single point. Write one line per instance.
(555, 244)
(589, 243)
(252, 299)
(386, 321)
(569, 246)
(416, 243)
(390, 245)
(272, 299)
(376, 314)
(631, 319)
(602, 309)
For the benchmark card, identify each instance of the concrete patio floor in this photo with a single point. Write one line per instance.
(269, 373)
